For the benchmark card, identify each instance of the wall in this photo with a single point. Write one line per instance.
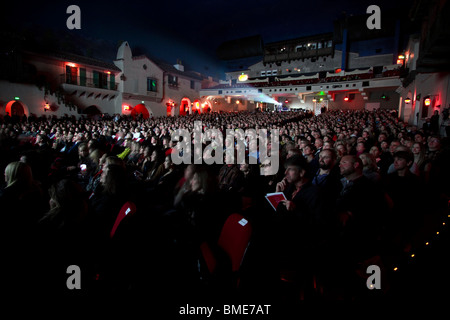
(435, 85)
(32, 98)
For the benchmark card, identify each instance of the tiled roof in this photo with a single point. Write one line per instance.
(171, 69)
(85, 60)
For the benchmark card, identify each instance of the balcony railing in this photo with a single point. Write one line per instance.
(88, 82)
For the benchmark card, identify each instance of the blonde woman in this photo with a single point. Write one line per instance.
(370, 169)
(418, 165)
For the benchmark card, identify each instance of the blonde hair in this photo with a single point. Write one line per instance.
(18, 173)
(370, 159)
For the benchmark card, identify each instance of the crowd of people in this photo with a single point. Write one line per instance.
(361, 188)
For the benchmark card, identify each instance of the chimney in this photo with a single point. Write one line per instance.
(179, 66)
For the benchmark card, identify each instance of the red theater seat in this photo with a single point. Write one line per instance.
(233, 241)
(128, 209)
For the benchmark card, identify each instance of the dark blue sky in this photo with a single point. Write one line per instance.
(191, 30)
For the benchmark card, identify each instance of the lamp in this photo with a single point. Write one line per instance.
(408, 100)
(46, 107)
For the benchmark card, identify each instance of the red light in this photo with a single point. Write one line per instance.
(346, 99)
(126, 108)
(338, 70)
(427, 102)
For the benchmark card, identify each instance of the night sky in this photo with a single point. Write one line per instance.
(187, 30)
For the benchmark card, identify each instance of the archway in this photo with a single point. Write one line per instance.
(140, 109)
(184, 106)
(17, 108)
(196, 107)
(206, 107)
(92, 111)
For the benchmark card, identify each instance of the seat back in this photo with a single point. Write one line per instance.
(128, 209)
(235, 238)
(208, 257)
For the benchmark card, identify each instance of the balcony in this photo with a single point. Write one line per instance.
(88, 82)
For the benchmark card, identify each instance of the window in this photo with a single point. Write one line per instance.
(82, 77)
(71, 75)
(263, 73)
(274, 72)
(112, 82)
(151, 85)
(268, 73)
(100, 79)
(173, 80)
(192, 84)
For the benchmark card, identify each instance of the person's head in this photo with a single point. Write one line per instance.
(393, 146)
(417, 148)
(113, 179)
(309, 150)
(83, 150)
(303, 143)
(95, 156)
(368, 161)
(375, 151)
(292, 152)
(419, 137)
(107, 160)
(67, 196)
(189, 172)
(341, 150)
(79, 137)
(434, 143)
(327, 159)
(168, 164)
(351, 167)
(402, 160)
(382, 137)
(165, 141)
(41, 139)
(328, 144)
(18, 173)
(360, 147)
(157, 156)
(296, 168)
(318, 143)
(203, 181)
(244, 167)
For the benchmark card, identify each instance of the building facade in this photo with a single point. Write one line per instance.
(58, 84)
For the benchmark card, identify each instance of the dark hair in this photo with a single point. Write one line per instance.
(406, 155)
(207, 179)
(332, 151)
(115, 180)
(297, 161)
